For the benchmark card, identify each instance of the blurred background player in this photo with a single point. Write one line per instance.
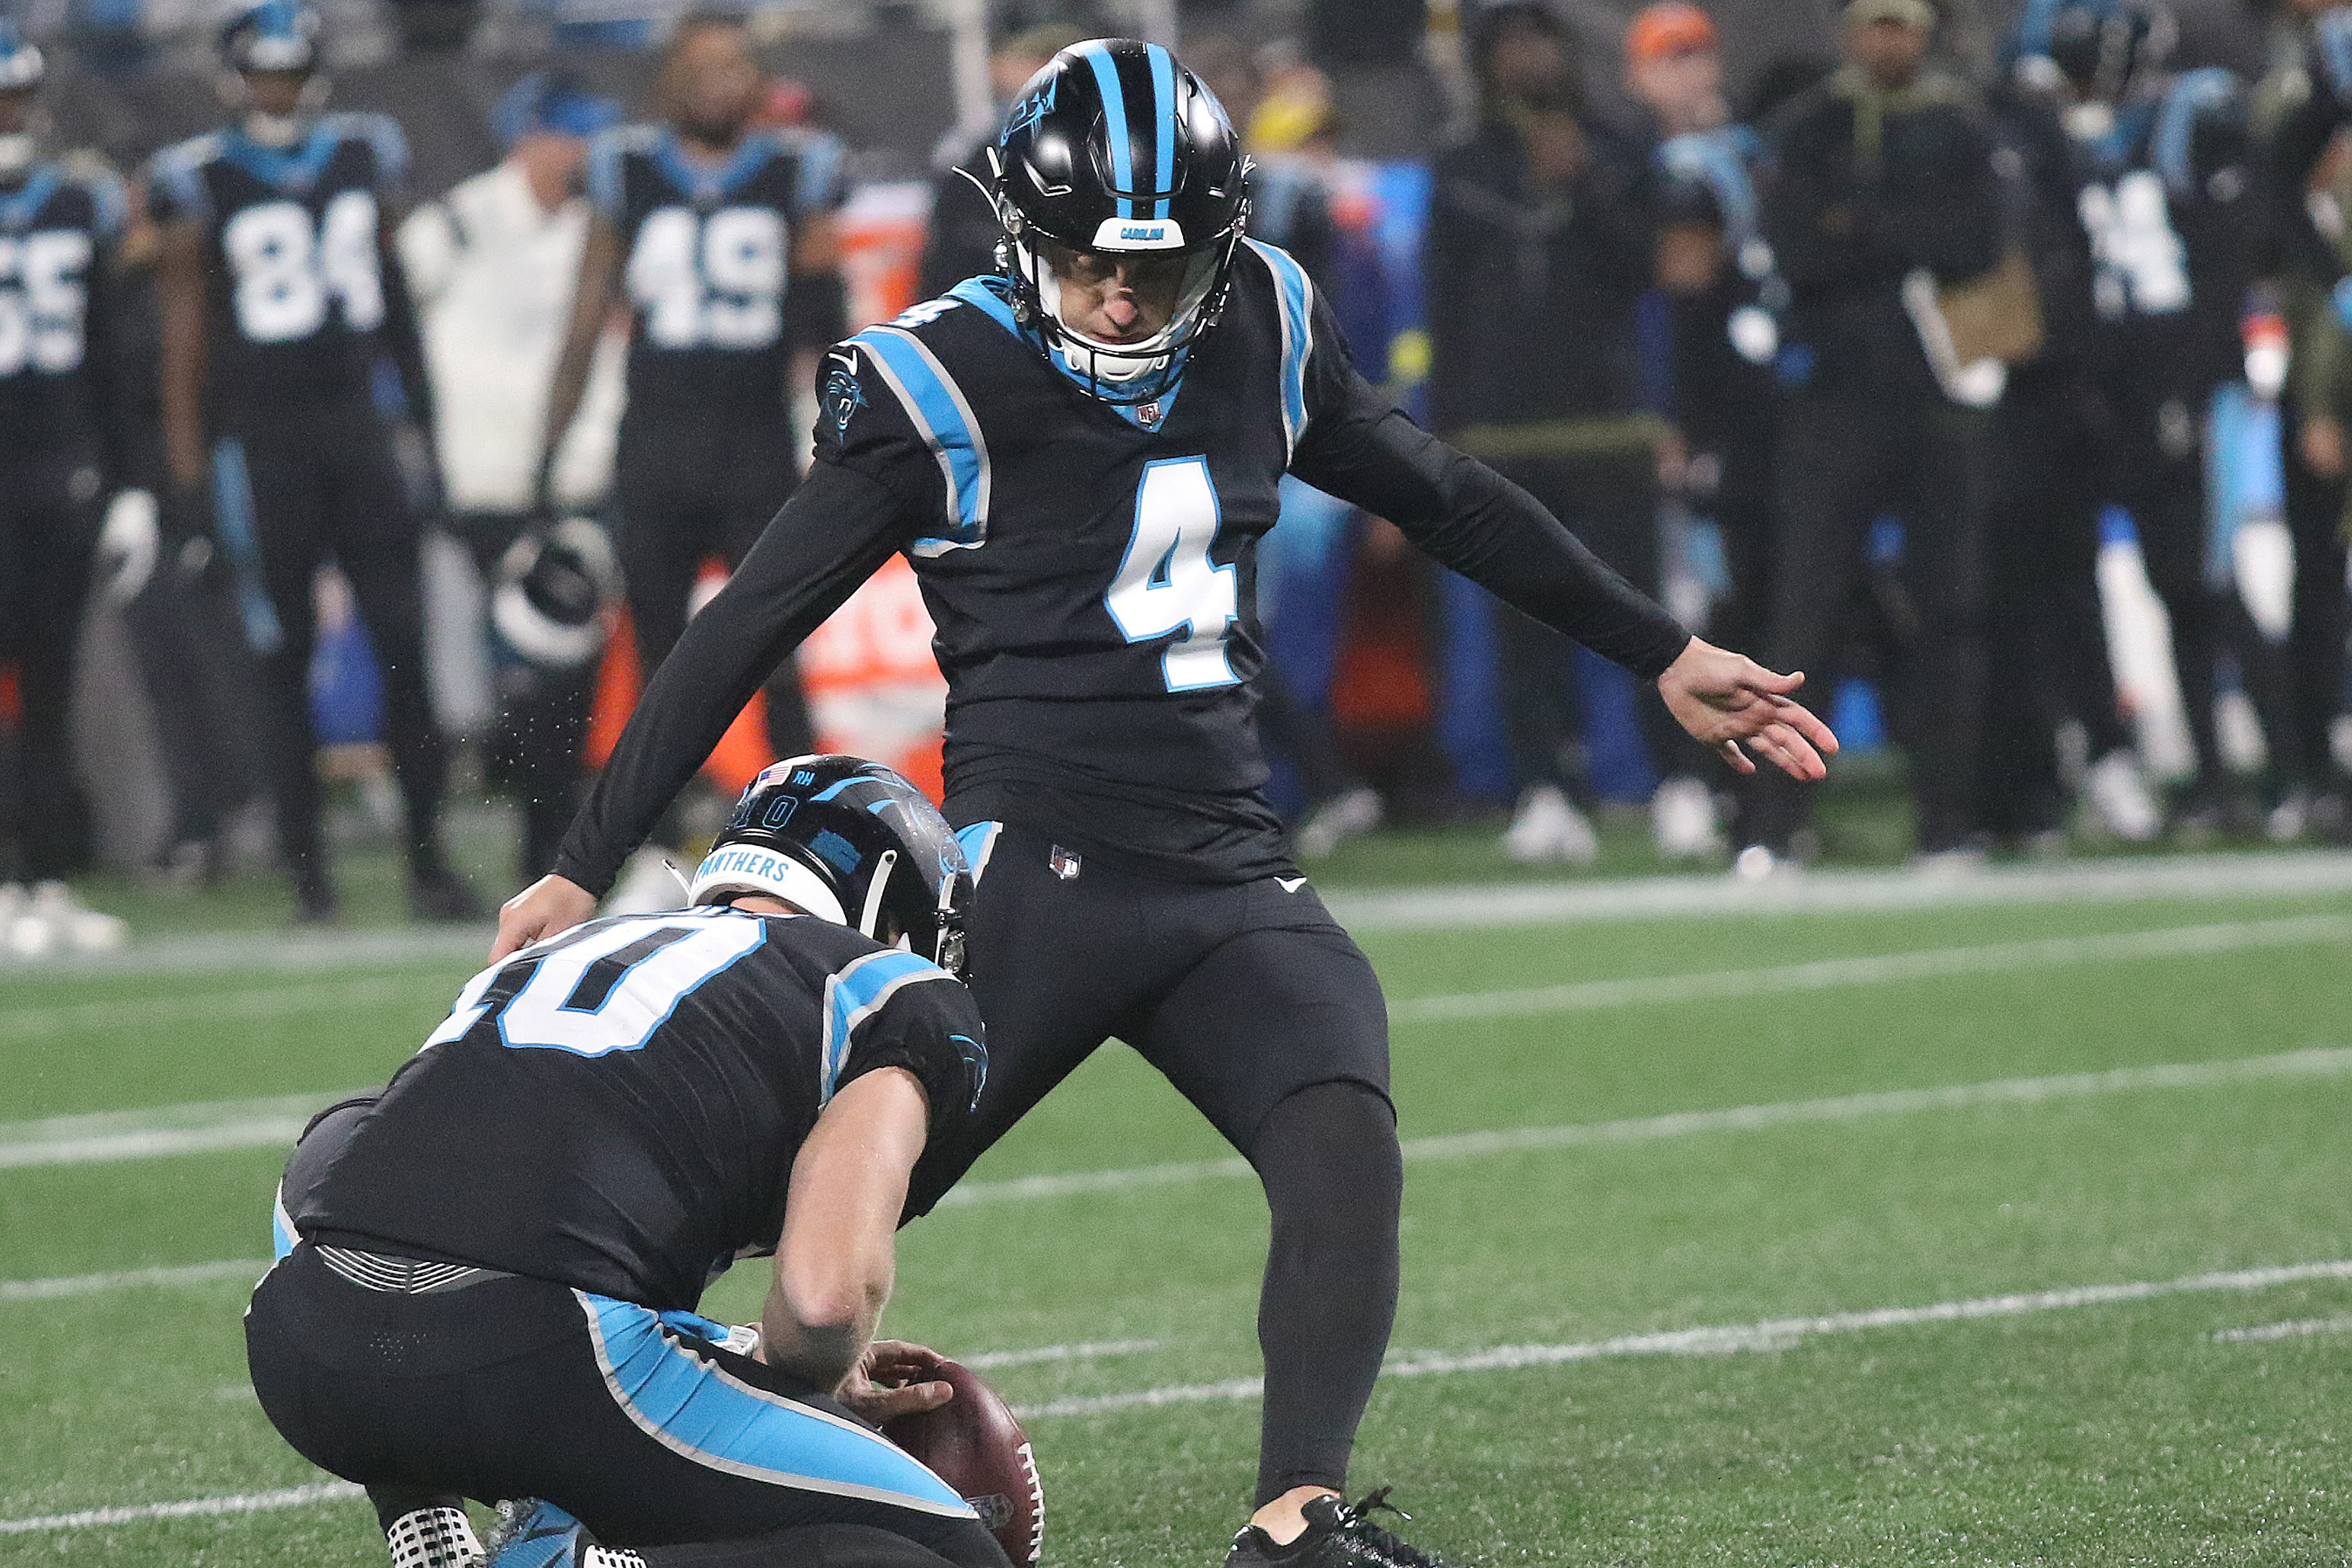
(1540, 246)
(493, 264)
(488, 1271)
(960, 241)
(1725, 296)
(284, 316)
(1884, 174)
(721, 242)
(64, 444)
(2164, 189)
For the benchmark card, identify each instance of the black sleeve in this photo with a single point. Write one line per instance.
(836, 530)
(930, 1026)
(1947, 216)
(1360, 447)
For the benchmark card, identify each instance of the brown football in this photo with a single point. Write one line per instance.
(974, 1445)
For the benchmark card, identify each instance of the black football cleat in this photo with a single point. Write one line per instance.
(1338, 1535)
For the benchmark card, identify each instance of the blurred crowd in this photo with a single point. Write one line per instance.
(1948, 378)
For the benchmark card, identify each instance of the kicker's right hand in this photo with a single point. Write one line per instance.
(549, 906)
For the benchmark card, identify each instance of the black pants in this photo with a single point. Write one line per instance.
(688, 490)
(541, 734)
(634, 1422)
(297, 487)
(2046, 630)
(2323, 619)
(2159, 478)
(1611, 502)
(1265, 1015)
(48, 526)
(1745, 510)
(1847, 457)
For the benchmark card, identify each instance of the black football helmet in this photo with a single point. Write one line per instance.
(273, 36)
(1116, 147)
(2104, 49)
(849, 841)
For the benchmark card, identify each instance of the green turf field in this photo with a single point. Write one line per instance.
(1744, 1157)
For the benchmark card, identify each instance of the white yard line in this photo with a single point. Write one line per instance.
(2302, 1328)
(1772, 1333)
(191, 1128)
(2320, 1062)
(1881, 969)
(243, 1269)
(2221, 876)
(162, 1012)
(989, 1360)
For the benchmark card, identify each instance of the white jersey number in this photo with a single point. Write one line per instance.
(1169, 584)
(715, 281)
(286, 271)
(610, 990)
(42, 295)
(2143, 266)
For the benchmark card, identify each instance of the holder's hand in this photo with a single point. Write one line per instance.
(547, 908)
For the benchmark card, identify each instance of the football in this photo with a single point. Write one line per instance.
(974, 1445)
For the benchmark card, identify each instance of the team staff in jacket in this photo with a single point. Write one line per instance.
(1884, 186)
(1079, 456)
(1540, 248)
(283, 304)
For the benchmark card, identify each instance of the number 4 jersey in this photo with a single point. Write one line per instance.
(617, 1109)
(293, 267)
(707, 265)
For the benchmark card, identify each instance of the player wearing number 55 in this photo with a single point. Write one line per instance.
(1079, 453)
(487, 1271)
(280, 291)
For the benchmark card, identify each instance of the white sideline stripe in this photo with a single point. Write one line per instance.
(1772, 1333)
(242, 1502)
(242, 1124)
(132, 1279)
(1829, 973)
(989, 1358)
(2322, 1061)
(2215, 876)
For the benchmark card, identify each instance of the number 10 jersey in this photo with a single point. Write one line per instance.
(294, 268)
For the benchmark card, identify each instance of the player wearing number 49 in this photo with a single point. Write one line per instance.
(281, 297)
(1080, 455)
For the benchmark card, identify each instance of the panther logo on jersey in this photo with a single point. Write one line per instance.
(841, 397)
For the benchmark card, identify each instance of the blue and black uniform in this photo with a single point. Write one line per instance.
(63, 440)
(1090, 571)
(487, 1273)
(706, 449)
(312, 355)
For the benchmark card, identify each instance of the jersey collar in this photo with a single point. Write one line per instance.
(990, 295)
(296, 167)
(20, 207)
(707, 182)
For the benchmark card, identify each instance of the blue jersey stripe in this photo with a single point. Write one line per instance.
(1113, 98)
(979, 842)
(855, 993)
(1296, 295)
(283, 1237)
(1163, 122)
(944, 418)
(697, 1409)
(233, 521)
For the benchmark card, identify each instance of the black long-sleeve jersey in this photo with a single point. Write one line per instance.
(305, 301)
(59, 229)
(1091, 573)
(714, 310)
(617, 1109)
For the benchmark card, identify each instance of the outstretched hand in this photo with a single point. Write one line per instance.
(1723, 699)
(892, 1379)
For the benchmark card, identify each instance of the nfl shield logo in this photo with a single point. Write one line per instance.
(1149, 413)
(1065, 862)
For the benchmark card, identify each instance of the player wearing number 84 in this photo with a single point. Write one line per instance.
(1079, 454)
